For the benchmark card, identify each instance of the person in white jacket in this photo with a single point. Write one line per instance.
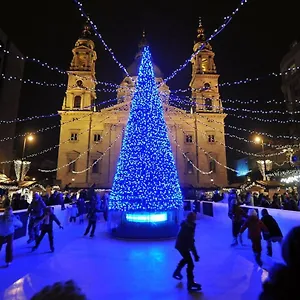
(8, 223)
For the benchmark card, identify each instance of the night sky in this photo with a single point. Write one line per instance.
(252, 45)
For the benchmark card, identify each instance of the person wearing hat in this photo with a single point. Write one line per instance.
(185, 244)
(255, 228)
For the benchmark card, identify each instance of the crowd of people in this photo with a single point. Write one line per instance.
(281, 280)
(289, 200)
(41, 217)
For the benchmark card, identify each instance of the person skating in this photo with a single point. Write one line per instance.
(8, 223)
(255, 228)
(238, 218)
(73, 212)
(185, 244)
(92, 217)
(35, 211)
(46, 224)
(275, 234)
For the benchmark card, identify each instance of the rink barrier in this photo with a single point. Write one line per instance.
(62, 216)
(286, 219)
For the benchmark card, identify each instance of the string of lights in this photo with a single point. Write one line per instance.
(249, 131)
(44, 83)
(93, 25)
(78, 157)
(223, 144)
(50, 148)
(181, 67)
(101, 156)
(249, 80)
(54, 68)
(45, 128)
(237, 128)
(36, 117)
(58, 85)
(186, 157)
(191, 101)
(211, 157)
(212, 36)
(246, 80)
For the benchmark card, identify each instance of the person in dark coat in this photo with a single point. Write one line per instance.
(46, 225)
(238, 218)
(283, 280)
(35, 211)
(185, 244)
(255, 228)
(275, 234)
(92, 217)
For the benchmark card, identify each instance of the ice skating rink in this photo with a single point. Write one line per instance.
(106, 268)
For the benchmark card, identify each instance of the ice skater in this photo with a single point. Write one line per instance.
(46, 224)
(73, 212)
(275, 234)
(35, 211)
(8, 223)
(92, 217)
(185, 244)
(238, 218)
(255, 228)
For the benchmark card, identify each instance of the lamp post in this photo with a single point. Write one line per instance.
(29, 138)
(259, 140)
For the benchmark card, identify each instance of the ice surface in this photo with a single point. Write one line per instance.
(107, 268)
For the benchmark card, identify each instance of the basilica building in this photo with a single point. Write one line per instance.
(91, 138)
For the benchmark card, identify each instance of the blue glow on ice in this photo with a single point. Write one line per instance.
(147, 217)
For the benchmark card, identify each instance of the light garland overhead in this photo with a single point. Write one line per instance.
(186, 157)
(187, 100)
(223, 144)
(93, 25)
(181, 67)
(79, 156)
(101, 156)
(45, 128)
(58, 85)
(216, 32)
(211, 157)
(57, 69)
(279, 147)
(56, 114)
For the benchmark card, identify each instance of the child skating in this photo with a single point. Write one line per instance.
(185, 244)
(46, 224)
(255, 228)
(73, 212)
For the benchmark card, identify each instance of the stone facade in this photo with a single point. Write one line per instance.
(91, 138)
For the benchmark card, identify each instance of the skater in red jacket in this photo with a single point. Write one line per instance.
(255, 228)
(185, 244)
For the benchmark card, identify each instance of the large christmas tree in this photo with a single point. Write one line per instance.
(146, 178)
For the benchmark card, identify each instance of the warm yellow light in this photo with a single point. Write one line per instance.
(257, 139)
(73, 179)
(30, 137)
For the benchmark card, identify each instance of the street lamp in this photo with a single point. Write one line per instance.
(259, 140)
(29, 138)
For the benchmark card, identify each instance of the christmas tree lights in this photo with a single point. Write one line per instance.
(146, 178)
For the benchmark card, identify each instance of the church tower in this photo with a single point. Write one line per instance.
(208, 112)
(77, 111)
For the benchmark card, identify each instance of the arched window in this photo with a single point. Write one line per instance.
(206, 86)
(212, 165)
(77, 102)
(208, 104)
